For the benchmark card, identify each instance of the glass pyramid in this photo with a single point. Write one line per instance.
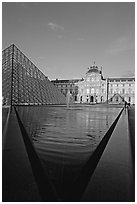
(23, 83)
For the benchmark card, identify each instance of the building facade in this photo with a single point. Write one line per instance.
(66, 86)
(123, 88)
(93, 88)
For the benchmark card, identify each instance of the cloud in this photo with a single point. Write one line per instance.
(41, 57)
(80, 39)
(129, 73)
(122, 44)
(24, 5)
(60, 36)
(55, 26)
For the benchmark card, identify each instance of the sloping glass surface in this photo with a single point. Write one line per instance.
(24, 83)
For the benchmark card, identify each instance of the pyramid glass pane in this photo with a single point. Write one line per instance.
(24, 83)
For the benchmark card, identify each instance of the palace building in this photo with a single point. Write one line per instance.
(93, 88)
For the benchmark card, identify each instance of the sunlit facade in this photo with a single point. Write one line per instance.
(122, 89)
(94, 88)
(66, 86)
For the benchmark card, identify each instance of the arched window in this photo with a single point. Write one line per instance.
(87, 91)
(91, 99)
(92, 91)
(129, 99)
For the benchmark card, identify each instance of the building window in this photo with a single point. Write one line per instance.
(87, 91)
(88, 79)
(116, 98)
(129, 91)
(117, 90)
(92, 91)
(123, 91)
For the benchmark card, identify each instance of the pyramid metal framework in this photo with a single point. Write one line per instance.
(114, 99)
(23, 83)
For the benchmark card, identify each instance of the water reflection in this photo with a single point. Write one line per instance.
(65, 138)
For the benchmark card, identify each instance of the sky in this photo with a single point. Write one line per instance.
(63, 39)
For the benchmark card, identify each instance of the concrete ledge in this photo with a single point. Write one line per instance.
(5, 121)
(76, 191)
(112, 180)
(46, 189)
(131, 122)
(18, 183)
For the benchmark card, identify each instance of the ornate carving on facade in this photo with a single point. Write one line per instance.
(93, 88)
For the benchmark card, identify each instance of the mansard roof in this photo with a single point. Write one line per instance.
(66, 80)
(121, 79)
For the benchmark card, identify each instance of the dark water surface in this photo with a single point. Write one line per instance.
(64, 139)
